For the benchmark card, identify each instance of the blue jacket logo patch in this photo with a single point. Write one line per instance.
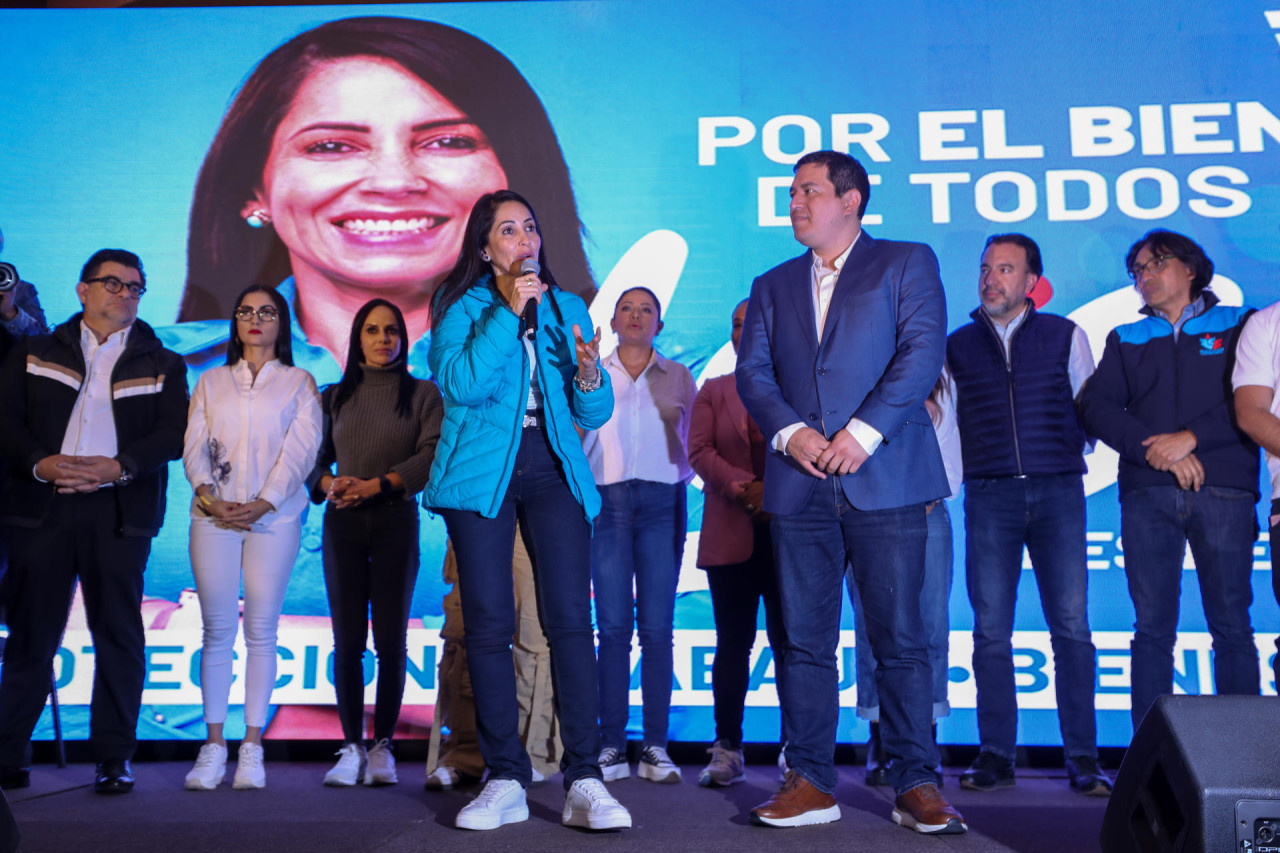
(1211, 345)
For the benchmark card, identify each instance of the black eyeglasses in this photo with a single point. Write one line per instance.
(1152, 266)
(266, 313)
(115, 285)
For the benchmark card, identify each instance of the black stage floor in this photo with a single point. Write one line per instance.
(60, 813)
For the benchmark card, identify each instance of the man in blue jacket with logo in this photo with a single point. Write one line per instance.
(1161, 397)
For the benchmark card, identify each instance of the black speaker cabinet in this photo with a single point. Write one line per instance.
(1202, 774)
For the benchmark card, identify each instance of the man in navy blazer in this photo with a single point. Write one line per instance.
(840, 349)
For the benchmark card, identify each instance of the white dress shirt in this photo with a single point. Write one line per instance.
(823, 286)
(947, 429)
(647, 438)
(254, 438)
(91, 429)
(1258, 363)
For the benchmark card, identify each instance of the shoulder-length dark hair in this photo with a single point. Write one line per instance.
(1161, 241)
(472, 266)
(352, 375)
(471, 74)
(284, 338)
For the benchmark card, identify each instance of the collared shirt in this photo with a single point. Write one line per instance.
(1194, 309)
(648, 436)
(91, 429)
(254, 437)
(824, 279)
(824, 284)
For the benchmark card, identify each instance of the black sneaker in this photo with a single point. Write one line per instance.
(1087, 777)
(988, 772)
(613, 764)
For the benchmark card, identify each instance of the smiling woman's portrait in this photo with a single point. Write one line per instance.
(346, 167)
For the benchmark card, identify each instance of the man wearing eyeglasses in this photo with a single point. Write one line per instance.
(90, 416)
(1161, 397)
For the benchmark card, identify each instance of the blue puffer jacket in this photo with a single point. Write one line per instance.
(482, 369)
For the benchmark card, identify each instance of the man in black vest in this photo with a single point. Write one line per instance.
(1016, 373)
(90, 416)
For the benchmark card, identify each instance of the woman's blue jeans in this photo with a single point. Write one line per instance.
(635, 563)
(557, 537)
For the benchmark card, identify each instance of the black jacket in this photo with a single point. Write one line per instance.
(39, 385)
(1147, 383)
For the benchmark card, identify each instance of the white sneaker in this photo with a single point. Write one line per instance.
(210, 768)
(381, 769)
(446, 778)
(250, 773)
(501, 801)
(535, 777)
(613, 764)
(351, 761)
(656, 766)
(590, 804)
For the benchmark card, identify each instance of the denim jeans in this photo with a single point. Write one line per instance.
(557, 537)
(1220, 525)
(736, 592)
(1047, 514)
(635, 547)
(935, 597)
(886, 551)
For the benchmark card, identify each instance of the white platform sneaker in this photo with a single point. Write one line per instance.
(500, 802)
(589, 804)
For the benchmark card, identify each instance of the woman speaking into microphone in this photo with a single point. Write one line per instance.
(514, 397)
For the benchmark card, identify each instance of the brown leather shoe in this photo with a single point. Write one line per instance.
(925, 810)
(797, 803)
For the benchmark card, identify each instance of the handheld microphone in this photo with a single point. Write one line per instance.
(9, 277)
(530, 314)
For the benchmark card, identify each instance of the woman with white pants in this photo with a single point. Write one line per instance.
(253, 431)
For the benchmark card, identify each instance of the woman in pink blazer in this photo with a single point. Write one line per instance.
(727, 450)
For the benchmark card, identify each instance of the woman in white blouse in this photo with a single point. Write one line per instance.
(641, 465)
(253, 431)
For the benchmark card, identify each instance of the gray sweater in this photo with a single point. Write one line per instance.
(368, 439)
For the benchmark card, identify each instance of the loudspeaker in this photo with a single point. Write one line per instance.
(1202, 774)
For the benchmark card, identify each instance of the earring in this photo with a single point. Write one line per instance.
(257, 218)
(484, 257)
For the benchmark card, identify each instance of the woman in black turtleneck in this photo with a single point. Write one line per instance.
(381, 427)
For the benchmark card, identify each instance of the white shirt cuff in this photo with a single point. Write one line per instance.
(865, 434)
(784, 435)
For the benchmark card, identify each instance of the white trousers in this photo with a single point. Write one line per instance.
(218, 557)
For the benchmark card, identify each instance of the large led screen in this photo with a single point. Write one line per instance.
(1082, 125)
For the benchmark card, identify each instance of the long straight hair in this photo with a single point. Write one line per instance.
(353, 375)
(469, 73)
(472, 266)
(284, 338)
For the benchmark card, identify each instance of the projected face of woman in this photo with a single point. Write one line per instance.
(371, 177)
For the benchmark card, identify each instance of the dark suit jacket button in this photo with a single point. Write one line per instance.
(822, 371)
(812, 416)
